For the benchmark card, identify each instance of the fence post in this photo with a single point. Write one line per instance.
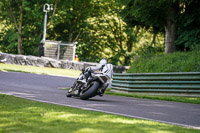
(58, 56)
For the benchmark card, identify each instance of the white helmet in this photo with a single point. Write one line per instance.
(103, 62)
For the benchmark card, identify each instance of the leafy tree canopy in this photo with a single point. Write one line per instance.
(112, 29)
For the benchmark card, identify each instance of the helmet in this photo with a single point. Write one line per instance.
(103, 61)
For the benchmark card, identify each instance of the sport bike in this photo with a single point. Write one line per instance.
(96, 83)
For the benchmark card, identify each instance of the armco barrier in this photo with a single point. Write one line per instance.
(183, 83)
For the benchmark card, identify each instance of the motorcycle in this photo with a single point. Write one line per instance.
(96, 84)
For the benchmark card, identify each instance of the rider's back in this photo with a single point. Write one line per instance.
(108, 70)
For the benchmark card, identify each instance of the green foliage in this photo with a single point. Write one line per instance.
(189, 26)
(175, 62)
(9, 42)
(32, 25)
(104, 36)
(70, 19)
(112, 29)
(148, 50)
(146, 13)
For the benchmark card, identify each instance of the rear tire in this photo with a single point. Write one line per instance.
(91, 92)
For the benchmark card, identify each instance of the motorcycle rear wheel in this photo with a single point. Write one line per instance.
(91, 91)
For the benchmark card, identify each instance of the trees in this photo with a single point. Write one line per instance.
(104, 36)
(14, 13)
(157, 14)
(104, 28)
(177, 18)
(170, 26)
(24, 20)
(188, 30)
(70, 19)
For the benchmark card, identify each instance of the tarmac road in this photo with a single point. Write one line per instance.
(45, 88)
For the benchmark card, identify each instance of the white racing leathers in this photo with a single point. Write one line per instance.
(106, 70)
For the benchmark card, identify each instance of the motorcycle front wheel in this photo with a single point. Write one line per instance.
(90, 91)
(68, 94)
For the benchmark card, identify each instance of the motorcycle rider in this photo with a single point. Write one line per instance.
(103, 67)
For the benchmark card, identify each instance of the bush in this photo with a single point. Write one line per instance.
(175, 62)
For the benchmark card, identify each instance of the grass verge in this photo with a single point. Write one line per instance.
(175, 62)
(20, 115)
(194, 100)
(39, 70)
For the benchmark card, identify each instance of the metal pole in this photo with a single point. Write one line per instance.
(46, 9)
(45, 29)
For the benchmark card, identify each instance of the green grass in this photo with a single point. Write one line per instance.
(39, 70)
(194, 100)
(19, 115)
(175, 62)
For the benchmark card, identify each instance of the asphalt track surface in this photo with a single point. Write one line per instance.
(46, 88)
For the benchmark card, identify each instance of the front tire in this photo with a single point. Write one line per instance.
(91, 91)
(68, 94)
